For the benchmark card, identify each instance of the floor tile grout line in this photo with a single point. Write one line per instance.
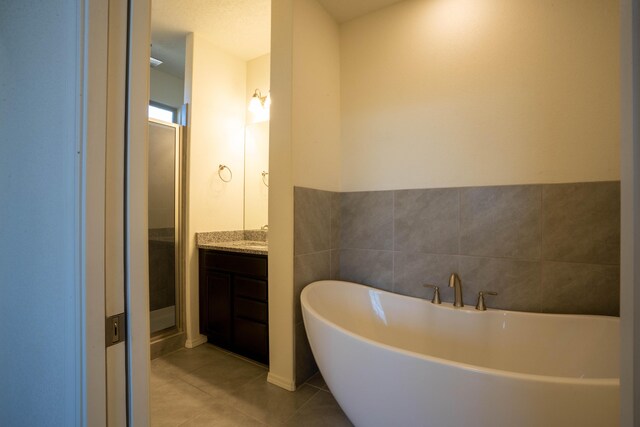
(196, 414)
(203, 410)
(200, 410)
(244, 413)
(315, 386)
(230, 393)
(240, 409)
(301, 406)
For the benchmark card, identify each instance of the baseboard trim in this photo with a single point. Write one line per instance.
(199, 340)
(167, 344)
(281, 382)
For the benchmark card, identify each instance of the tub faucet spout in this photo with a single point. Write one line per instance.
(456, 284)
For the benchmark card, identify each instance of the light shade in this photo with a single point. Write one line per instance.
(259, 106)
(256, 104)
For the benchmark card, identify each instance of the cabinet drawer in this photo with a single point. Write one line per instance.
(251, 288)
(252, 339)
(243, 264)
(252, 310)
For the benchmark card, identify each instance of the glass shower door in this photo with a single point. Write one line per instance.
(164, 226)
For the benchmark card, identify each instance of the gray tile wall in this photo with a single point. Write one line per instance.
(544, 248)
(316, 256)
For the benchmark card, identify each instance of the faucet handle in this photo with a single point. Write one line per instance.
(480, 305)
(436, 293)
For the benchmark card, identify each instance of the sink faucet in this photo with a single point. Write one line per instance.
(454, 282)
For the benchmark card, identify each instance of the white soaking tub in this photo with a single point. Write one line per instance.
(392, 360)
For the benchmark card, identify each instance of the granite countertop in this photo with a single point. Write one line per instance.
(240, 241)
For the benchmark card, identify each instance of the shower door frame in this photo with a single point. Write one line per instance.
(179, 164)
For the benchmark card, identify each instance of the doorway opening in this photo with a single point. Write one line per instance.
(208, 61)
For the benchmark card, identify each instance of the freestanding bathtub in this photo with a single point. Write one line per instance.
(392, 360)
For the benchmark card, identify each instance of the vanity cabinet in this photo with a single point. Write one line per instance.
(233, 302)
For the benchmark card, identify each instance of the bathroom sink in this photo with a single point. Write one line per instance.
(251, 244)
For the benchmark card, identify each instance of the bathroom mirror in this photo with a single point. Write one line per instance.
(256, 175)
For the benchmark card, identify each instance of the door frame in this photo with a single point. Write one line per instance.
(178, 328)
(630, 212)
(136, 213)
(92, 78)
(93, 38)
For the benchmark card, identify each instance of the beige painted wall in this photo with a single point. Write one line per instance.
(304, 149)
(467, 92)
(316, 98)
(215, 89)
(281, 199)
(166, 89)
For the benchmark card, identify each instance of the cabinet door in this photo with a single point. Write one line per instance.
(251, 339)
(218, 310)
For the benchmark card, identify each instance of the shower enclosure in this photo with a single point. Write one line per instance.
(165, 201)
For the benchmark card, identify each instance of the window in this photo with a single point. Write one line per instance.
(162, 112)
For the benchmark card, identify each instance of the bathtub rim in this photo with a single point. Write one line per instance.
(305, 305)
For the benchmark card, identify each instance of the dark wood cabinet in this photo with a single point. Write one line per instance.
(233, 302)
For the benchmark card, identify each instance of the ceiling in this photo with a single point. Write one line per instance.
(240, 27)
(345, 10)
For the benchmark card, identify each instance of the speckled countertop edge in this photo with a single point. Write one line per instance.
(228, 241)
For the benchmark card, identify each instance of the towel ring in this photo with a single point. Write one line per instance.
(265, 174)
(220, 169)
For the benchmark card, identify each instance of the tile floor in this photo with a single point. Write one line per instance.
(207, 386)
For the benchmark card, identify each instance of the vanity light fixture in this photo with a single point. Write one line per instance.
(259, 103)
